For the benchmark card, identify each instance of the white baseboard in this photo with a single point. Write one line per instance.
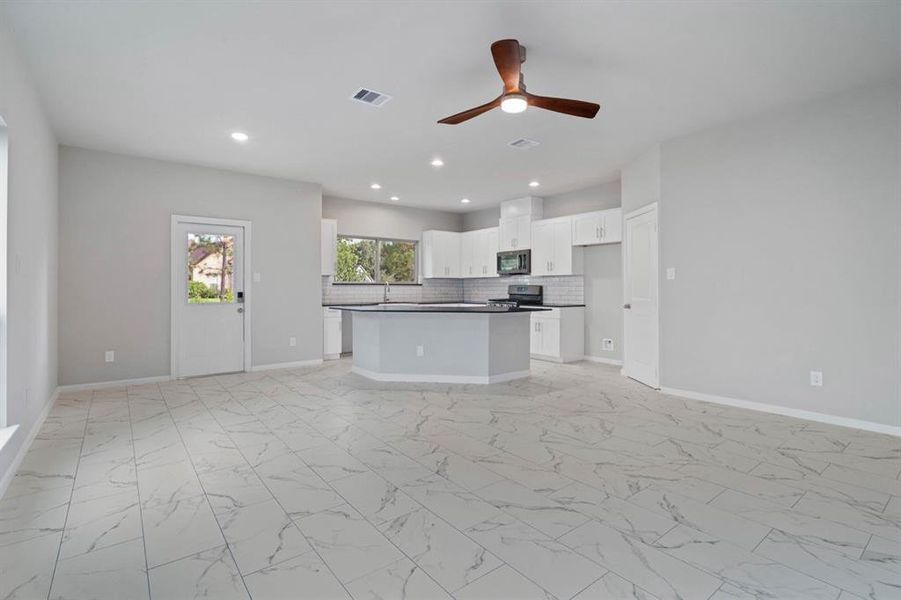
(420, 378)
(788, 412)
(287, 365)
(100, 385)
(602, 360)
(7, 477)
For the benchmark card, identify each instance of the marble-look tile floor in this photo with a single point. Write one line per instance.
(316, 483)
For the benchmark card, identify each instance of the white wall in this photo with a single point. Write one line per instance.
(785, 231)
(114, 260)
(374, 219)
(31, 253)
(641, 180)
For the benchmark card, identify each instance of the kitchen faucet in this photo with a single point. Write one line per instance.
(387, 291)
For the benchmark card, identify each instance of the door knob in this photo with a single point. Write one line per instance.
(627, 306)
(240, 310)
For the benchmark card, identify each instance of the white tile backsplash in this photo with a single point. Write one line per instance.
(432, 290)
(557, 290)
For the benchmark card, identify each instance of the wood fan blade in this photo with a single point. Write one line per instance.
(472, 112)
(576, 108)
(508, 60)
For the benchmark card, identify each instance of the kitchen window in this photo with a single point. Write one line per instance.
(375, 260)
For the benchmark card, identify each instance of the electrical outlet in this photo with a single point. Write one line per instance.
(816, 378)
(608, 344)
(671, 273)
(420, 351)
(110, 356)
(292, 341)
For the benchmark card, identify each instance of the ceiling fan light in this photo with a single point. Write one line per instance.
(514, 103)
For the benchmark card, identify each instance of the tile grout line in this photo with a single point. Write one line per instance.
(138, 488)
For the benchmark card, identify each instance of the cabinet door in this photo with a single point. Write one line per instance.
(489, 259)
(587, 228)
(535, 335)
(612, 231)
(451, 253)
(542, 247)
(332, 336)
(550, 337)
(469, 267)
(523, 232)
(507, 233)
(329, 250)
(562, 258)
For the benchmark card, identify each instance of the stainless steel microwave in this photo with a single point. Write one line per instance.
(514, 262)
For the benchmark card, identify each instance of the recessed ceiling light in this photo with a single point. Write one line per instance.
(395, 198)
(437, 162)
(465, 201)
(514, 103)
(240, 136)
(534, 184)
(375, 186)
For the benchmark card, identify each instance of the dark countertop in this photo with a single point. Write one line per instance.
(416, 308)
(545, 305)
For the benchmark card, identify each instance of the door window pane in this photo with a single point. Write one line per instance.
(397, 261)
(356, 260)
(211, 268)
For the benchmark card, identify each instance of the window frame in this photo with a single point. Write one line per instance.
(378, 260)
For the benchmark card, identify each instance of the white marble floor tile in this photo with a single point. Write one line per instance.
(541, 512)
(884, 552)
(204, 575)
(102, 522)
(402, 580)
(502, 584)
(459, 470)
(375, 498)
(167, 482)
(551, 565)
(748, 572)
(656, 571)
(302, 578)
(234, 487)
(445, 554)
(331, 462)
(613, 587)
(113, 573)
(449, 501)
(28, 567)
(349, 545)
(178, 529)
(33, 515)
(261, 535)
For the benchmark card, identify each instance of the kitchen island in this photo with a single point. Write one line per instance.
(440, 342)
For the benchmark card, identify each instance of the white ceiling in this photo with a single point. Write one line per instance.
(171, 80)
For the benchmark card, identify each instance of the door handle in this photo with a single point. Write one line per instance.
(627, 306)
(240, 310)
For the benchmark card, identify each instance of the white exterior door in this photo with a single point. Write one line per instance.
(208, 298)
(640, 348)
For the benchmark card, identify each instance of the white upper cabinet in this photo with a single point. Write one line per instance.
(515, 233)
(440, 254)
(478, 253)
(329, 251)
(598, 227)
(552, 248)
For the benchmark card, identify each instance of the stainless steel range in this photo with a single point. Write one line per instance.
(520, 295)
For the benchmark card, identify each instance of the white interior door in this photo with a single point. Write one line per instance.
(640, 323)
(208, 298)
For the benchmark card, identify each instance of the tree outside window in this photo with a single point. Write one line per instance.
(367, 260)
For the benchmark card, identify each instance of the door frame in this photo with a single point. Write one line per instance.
(177, 252)
(632, 214)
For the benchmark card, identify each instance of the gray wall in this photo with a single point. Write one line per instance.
(785, 231)
(374, 219)
(31, 248)
(114, 260)
(641, 180)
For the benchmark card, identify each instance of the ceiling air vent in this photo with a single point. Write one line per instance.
(370, 97)
(524, 143)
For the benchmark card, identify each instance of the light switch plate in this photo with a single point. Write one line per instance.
(816, 378)
(110, 356)
(292, 341)
(420, 351)
(671, 273)
(608, 344)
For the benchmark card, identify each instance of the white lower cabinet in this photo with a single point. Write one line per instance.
(331, 334)
(558, 334)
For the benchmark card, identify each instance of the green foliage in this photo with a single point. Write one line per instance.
(358, 260)
(198, 289)
(397, 261)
